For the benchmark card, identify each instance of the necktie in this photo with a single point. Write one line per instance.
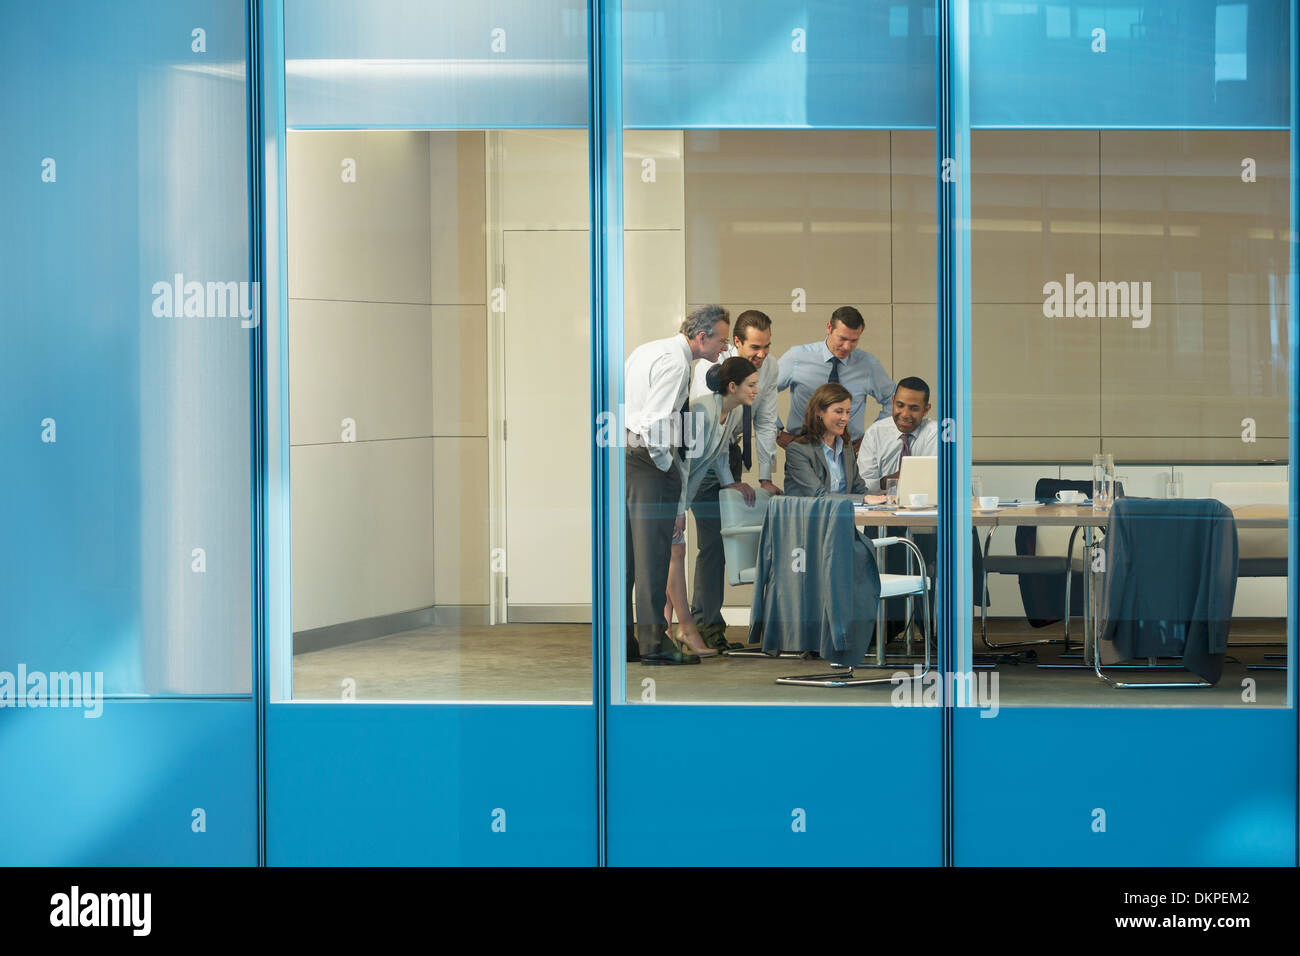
(835, 369)
(685, 416)
(746, 454)
(907, 445)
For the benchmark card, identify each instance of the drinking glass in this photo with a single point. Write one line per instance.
(891, 492)
(1174, 485)
(1103, 481)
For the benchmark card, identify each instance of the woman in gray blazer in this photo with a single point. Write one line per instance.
(821, 460)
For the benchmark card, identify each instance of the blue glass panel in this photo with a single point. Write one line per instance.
(773, 64)
(762, 765)
(1165, 63)
(405, 784)
(122, 789)
(124, 528)
(1177, 787)
(444, 64)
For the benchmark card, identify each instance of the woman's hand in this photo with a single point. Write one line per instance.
(874, 499)
(746, 492)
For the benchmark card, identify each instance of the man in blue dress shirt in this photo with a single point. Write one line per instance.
(837, 358)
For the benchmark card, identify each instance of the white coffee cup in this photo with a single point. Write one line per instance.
(1069, 497)
(918, 500)
(988, 502)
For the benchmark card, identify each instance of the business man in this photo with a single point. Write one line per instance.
(837, 358)
(751, 338)
(656, 380)
(887, 442)
(906, 432)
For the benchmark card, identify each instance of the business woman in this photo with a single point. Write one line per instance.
(821, 461)
(717, 418)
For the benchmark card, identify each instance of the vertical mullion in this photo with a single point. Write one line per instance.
(1293, 390)
(953, 586)
(605, 182)
(257, 405)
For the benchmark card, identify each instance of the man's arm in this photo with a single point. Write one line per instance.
(785, 379)
(882, 388)
(766, 425)
(869, 461)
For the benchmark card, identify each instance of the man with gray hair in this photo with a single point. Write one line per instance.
(656, 381)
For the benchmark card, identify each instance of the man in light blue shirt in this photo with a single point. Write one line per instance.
(837, 358)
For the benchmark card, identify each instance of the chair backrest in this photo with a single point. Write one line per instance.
(1255, 542)
(1171, 552)
(740, 551)
(821, 586)
(1169, 582)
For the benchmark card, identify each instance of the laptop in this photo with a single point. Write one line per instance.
(919, 474)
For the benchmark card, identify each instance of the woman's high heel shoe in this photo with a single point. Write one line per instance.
(680, 641)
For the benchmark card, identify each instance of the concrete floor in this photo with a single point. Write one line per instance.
(552, 662)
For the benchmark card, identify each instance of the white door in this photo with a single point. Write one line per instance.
(548, 424)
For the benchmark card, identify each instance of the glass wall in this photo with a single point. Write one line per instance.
(1129, 301)
(1132, 409)
(439, 403)
(128, 557)
(776, 215)
(132, 308)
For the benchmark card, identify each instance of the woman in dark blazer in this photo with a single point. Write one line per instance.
(807, 469)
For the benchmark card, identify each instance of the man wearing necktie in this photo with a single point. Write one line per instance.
(906, 432)
(751, 339)
(837, 358)
(887, 442)
(656, 390)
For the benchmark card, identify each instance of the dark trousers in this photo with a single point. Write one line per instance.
(652, 497)
(707, 593)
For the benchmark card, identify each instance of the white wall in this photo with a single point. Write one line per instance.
(387, 323)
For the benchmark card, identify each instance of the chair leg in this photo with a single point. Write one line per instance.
(1069, 578)
(880, 633)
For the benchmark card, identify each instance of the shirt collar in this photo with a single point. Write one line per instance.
(915, 432)
(684, 344)
(839, 446)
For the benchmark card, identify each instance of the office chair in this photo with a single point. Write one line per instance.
(742, 526)
(1261, 552)
(1042, 570)
(1170, 579)
(910, 586)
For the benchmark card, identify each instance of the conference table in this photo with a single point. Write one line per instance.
(1048, 515)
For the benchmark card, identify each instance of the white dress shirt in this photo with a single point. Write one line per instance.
(656, 377)
(708, 444)
(882, 446)
(765, 423)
